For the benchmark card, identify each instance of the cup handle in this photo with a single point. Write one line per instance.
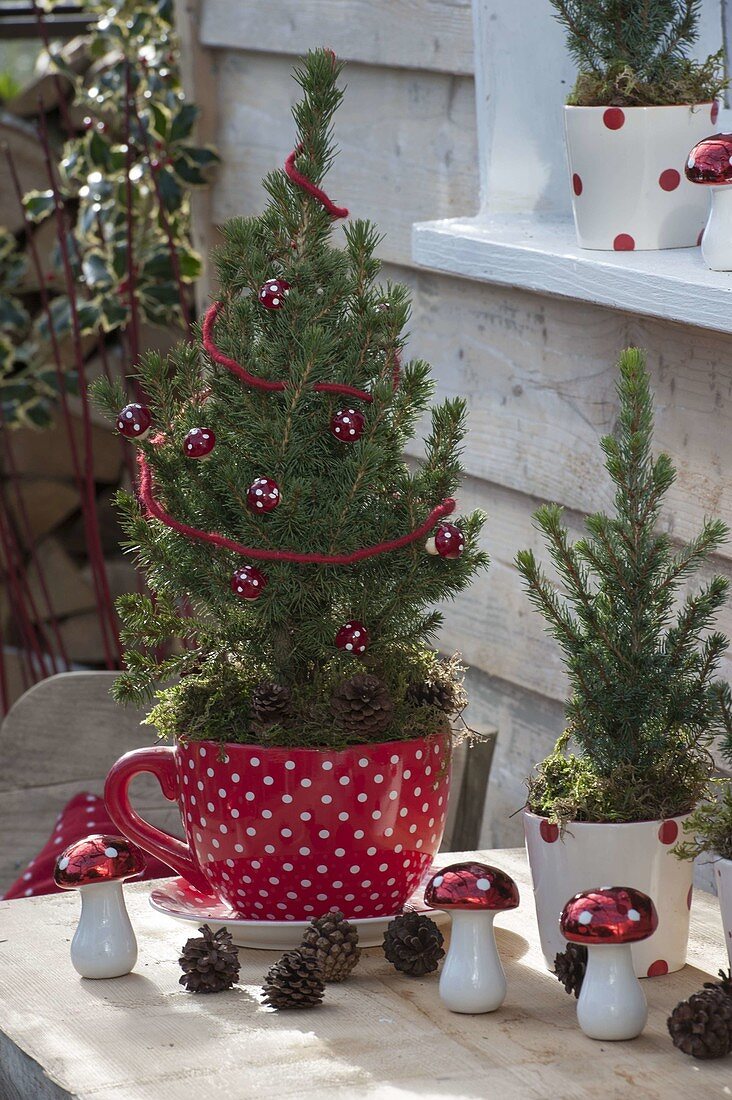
(160, 762)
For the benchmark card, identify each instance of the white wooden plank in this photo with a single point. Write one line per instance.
(407, 143)
(539, 376)
(413, 34)
(493, 625)
(542, 255)
(141, 1037)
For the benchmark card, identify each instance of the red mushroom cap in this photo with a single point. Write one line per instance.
(199, 443)
(471, 886)
(609, 914)
(134, 421)
(710, 161)
(97, 858)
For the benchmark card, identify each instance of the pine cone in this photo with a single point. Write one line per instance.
(333, 942)
(363, 705)
(570, 966)
(433, 693)
(702, 1025)
(724, 983)
(210, 962)
(442, 689)
(295, 981)
(413, 943)
(270, 703)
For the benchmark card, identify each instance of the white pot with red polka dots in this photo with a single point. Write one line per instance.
(723, 878)
(626, 168)
(589, 856)
(284, 834)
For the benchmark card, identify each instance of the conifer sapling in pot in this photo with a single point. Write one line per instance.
(289, 548)
(607, 805)
(640, 103)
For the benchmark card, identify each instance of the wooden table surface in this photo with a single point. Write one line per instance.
(380, 1034)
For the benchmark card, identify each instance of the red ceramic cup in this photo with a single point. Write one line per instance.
(282, 834)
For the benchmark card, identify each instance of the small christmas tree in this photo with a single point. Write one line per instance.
(645, 704)
(637, 55)
(282, 534)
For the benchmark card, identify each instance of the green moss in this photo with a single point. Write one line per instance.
(212, 704)
(567, 787)
(686, 82)
(709, 829)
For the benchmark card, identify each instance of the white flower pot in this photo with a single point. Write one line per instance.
(587, 856)
(626, 168)
(723, 875)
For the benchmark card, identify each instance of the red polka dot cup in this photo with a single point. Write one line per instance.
(626, 171)
(283, 834)
(585, 856)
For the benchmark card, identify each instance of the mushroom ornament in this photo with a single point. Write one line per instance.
(472, 978)
(710, 164)
(104, 944)
(607, 921)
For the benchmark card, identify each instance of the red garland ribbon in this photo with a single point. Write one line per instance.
(307, 185)
(146, 480)
(231, 364)
(146, 496)
(260, 383)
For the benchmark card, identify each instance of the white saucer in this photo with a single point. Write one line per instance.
(176, 898)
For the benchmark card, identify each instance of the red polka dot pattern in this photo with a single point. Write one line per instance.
(669, 179)
(283, 834)
(549, 831)
(668, 832)
(577, 184)
(623, 243)
(657, 969)
(613, 118)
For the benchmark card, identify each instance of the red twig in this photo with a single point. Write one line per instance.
(25, 523)
(15, 579)
(96, 557)
(134, 330)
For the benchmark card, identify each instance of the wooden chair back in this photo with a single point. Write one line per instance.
(61, 737)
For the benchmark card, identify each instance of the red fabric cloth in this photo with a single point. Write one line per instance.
(84, 814)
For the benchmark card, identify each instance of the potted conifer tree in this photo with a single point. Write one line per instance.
(607, 805)
(288, 545)
(639, 105)
(709, 835)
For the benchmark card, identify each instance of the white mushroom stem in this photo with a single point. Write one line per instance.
(716, 243)
(472, 978)
(611, 1003)
(104, 944)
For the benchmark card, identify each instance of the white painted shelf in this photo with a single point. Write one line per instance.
(542, 255)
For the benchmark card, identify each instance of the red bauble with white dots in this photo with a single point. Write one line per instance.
(248, 583)
(263, 495)
(199, 443)
(134, 421)
(448, 541)
(353, 637)
(347, 425)
(272, 294)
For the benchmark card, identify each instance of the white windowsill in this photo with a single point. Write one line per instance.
(542, 255)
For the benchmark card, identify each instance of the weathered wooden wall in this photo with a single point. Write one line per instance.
(538, 371)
